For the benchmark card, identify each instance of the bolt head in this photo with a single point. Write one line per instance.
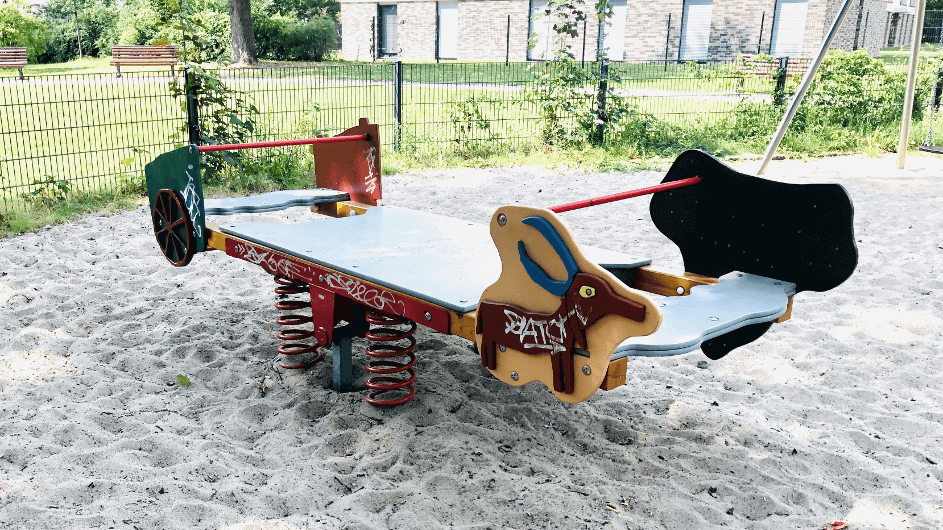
(428, 316)
(514, 376)
(587, 370)
(321, 278)
(502, 219)
(502, 347)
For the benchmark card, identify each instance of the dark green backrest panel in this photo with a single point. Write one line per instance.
(180, 170)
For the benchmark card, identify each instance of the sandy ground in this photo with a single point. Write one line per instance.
(834, 415)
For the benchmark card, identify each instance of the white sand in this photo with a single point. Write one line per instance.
(834, 415)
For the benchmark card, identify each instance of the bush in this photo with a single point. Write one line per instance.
(97, 27)
(283, 38)
(21, 29)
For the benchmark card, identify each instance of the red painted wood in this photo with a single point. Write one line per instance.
(624, 195)
(281, 143)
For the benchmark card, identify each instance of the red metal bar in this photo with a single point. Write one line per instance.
(280, 143)
(624, 195)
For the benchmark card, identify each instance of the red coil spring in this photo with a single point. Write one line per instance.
(383, 334)
(287, 287)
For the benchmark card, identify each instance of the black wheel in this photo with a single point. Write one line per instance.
(173, 227)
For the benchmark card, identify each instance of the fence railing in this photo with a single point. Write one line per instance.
(96, 131)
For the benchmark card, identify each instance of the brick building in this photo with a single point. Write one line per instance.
(639, 30)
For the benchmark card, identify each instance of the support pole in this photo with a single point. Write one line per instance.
(911, 85)
(803, 88)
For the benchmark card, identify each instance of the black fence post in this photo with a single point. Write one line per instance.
(601, 116)
(193, 110)
(779, 91)
(667, 40)
(507, 44)
(397, 102)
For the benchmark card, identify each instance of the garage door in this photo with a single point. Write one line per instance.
(789, 28)
(696, 31)
(448, 30)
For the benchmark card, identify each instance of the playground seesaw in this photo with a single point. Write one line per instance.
(539, 306)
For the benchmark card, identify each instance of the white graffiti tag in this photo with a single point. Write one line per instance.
(540, 334)
(270, 262)
(192, 200)
(371, 179)
(372, 296)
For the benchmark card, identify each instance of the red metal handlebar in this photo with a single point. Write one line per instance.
(624, 195)
(280, 143)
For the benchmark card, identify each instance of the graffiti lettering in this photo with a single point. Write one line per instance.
(192, 200)
(372, 296)
(371, 179)
(549, 335)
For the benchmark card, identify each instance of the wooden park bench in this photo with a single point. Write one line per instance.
(13, 58)
(766, 66)
(128, 55)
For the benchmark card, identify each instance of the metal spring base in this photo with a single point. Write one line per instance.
(286, 288)
(382, 334)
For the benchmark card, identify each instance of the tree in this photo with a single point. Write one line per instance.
(19, 28)
(243, 38)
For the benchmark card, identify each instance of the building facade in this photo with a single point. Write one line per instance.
(674, 30)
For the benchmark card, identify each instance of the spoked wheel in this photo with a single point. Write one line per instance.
(173, 227)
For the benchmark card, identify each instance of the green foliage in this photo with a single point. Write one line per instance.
(19, 28)
(562, 90)
(305, 9)
(226, 115)
(48, 191)
(201, 27)
(470, 125)
(183, 381)
(284, 38)
(97, 26)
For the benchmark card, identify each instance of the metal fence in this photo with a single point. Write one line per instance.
(96, 131)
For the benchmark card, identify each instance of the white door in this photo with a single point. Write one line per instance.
(696, 32)
(614, 31)
(789, 28)
(448, 30)
(540, 28)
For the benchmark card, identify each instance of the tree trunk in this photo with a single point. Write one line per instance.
(243, 39)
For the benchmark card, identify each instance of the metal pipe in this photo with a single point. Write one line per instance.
(911, 84)
(281, 143)
(803, 88)
(585, 203)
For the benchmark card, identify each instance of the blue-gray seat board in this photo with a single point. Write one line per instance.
(274, 201)
(737, 300)
(442, 260)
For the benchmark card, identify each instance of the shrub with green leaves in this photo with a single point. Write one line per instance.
(19, 28)
(284, 38)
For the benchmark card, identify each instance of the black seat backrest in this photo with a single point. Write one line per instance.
(730, 221)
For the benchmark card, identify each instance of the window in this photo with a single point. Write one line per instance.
(696, 29)
(448, 30)
(614, 31)
(788, 28)
(540, 28)
(386, 31)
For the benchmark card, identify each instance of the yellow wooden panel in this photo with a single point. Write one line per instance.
(615, 376)
(656, 281)
(515, 287)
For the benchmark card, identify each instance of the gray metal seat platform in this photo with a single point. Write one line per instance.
(450, 262)
(274, 201)
(442, 260)
(737, 300)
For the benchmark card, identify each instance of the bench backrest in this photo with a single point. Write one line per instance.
(144, 52)
(731, 221)
(12, 56)
(765, 66)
